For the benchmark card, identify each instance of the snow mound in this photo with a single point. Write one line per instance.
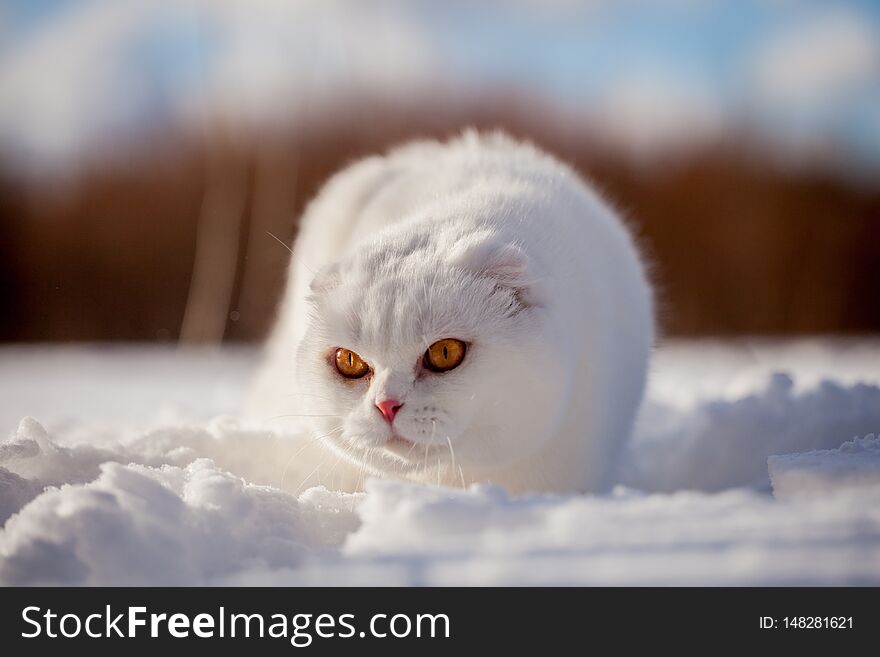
(483, 537)
(718, 443)
(855, 464)
(136, 525)
(110, 490)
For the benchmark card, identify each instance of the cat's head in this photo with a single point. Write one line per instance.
(425, 358)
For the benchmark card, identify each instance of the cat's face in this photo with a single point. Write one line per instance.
(425, 364)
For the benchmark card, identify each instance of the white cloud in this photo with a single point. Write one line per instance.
(67, 82)
(288, 59)
(815, 60)
(103, 69)
(649, 114)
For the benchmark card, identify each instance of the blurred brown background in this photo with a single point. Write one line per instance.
(169, 237)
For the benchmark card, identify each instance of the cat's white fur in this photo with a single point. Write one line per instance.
(483, 239)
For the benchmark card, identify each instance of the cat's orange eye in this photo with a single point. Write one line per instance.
(445, 355)
(350, 365)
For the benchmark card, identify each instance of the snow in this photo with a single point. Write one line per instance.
(737, 537)
(855, 464)
(753, 462)
(721, 444)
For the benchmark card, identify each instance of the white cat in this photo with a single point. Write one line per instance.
(457, 313)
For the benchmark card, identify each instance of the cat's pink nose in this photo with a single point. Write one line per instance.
(388, 408)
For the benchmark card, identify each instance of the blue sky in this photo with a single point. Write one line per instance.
(707, 45)
(576, 55)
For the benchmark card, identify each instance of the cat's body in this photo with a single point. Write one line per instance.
(489, 244)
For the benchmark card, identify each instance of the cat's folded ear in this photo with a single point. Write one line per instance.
(326, 279)
(506, 264)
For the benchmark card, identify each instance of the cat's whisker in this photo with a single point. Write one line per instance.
(451, 450)
(346, 451)
(296, 415)
(333, 468)
(369, 462)
(308, 394)
(366, 464)
(409, 451)
(360, 480)
(293, 255)
(309, 442)
(297, 490)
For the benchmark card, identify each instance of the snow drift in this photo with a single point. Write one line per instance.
(109, 489)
